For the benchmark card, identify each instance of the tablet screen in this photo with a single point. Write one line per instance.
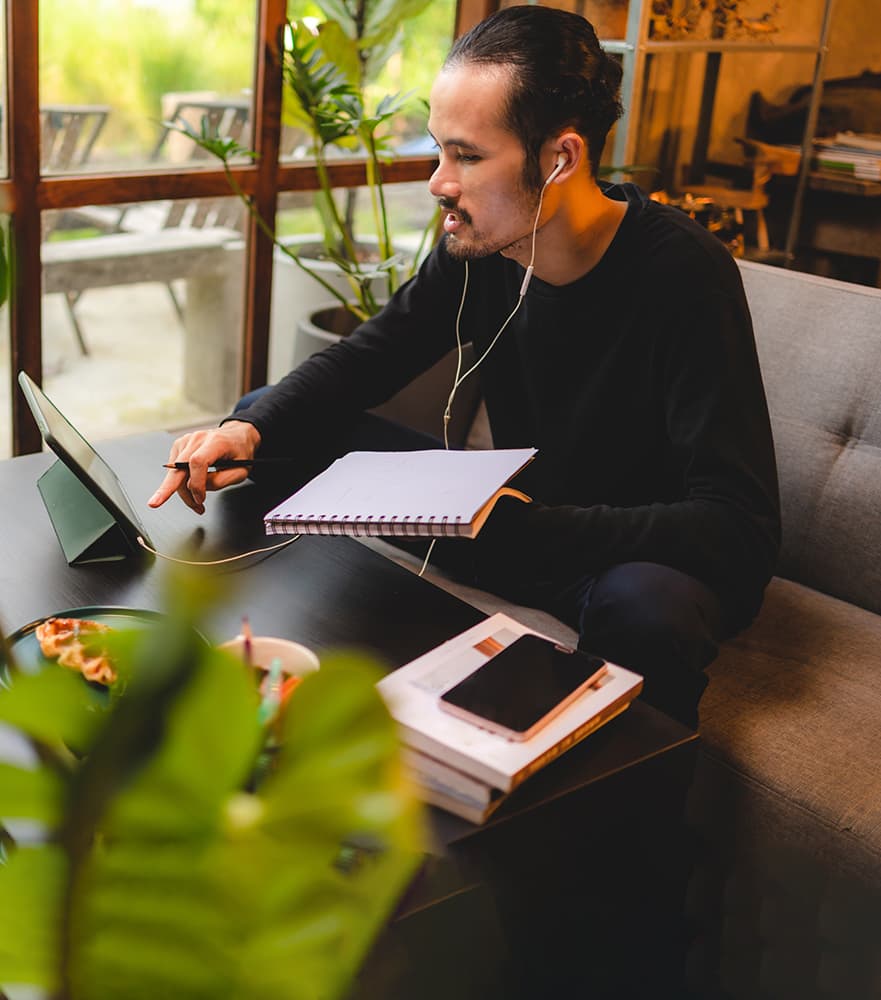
(81, 458)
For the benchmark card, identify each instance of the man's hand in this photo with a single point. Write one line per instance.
(235, 439)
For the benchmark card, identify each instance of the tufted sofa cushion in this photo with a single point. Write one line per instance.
(819, 344)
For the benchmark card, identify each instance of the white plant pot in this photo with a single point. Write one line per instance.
(296, 293)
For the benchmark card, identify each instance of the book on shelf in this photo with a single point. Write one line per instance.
(433, 493)
(867, 141)
(844, 158)
(451, 758)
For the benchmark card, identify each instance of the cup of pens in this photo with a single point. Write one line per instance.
(278, 665)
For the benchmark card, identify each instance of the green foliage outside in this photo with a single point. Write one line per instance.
(326, 66)
(175, 861)
(422, 43)
(128, 56)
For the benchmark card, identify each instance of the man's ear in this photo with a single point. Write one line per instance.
(570, 151)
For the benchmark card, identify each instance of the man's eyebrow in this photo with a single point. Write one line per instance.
(453, 141)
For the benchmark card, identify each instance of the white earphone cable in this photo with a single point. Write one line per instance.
(459, 377)
(527, 277)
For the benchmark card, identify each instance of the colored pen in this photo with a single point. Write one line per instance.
(247, 642)
(270, 692)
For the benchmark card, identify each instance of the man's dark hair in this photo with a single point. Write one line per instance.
(560, 77)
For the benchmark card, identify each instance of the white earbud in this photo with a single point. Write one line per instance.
(460, 376)
(558, 166)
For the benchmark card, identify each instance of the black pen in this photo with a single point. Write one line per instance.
(226, 463)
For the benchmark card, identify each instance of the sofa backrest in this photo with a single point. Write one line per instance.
(819, 344)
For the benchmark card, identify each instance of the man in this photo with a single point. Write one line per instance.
(613, 335)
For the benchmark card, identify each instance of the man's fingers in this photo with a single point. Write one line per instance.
(224, 478)
(199, 450)
(167, 488)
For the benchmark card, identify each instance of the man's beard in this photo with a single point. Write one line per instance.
(478, 245)
(473, 250)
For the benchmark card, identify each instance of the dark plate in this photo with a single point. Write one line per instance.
(25, 647)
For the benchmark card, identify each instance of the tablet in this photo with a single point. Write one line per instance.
(83, 461)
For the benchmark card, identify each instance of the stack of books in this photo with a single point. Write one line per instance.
(856, 154)
(462, 767)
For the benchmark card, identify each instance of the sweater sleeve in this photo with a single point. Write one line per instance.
(723, 525)
(413, 331)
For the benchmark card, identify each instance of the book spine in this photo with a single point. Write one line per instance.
(576, 736)
(866, 166)
(471, 766)
(473, 812)
(418, 528)
(434, 773)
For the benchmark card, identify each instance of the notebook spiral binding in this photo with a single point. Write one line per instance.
(329, 524)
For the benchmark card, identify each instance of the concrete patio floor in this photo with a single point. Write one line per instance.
(130, 381)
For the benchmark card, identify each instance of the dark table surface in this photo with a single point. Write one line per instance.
(324, 592)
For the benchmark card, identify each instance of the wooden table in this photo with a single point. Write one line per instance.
(584, 866)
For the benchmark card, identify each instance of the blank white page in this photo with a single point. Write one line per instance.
(405, 485)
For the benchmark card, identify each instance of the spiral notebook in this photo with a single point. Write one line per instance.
(413, 493)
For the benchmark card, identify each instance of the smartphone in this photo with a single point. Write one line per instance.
(522, 687)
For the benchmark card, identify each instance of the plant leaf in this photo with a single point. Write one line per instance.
(30, 889)
(30, 793)
(385, 18)
(210, 741)
(275, 893)
(341, 50)
(53, 706)
(152, 919)
(223, 147)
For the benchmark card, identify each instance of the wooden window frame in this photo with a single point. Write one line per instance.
(26, 194)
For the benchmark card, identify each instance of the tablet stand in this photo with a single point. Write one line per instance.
(87, 531)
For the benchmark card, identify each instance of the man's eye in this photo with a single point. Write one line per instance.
(468, 158)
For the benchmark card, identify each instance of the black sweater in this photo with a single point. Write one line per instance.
(638, 383)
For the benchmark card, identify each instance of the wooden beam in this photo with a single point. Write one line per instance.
(23, 109)
(60, 192)
(267, 132)
(471, 12)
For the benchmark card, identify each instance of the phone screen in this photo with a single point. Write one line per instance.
(523, 684)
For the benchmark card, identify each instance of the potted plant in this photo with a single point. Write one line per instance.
(326, 69)
(325, 72)
(145, 853)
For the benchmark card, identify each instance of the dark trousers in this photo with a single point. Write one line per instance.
(650, 618)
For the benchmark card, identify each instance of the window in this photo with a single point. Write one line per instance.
(133, 258)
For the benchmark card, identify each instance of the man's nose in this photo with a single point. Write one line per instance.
(443, 183)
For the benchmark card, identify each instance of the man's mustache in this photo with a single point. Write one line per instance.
(448, 205)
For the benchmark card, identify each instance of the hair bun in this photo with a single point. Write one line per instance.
(612, 73)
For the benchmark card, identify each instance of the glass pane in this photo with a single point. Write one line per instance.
(609, 17)
(412, 215)
(112, 72)
(5, 374)
(743, 21)
(406, 66)
(142, 329)
(672, 106)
